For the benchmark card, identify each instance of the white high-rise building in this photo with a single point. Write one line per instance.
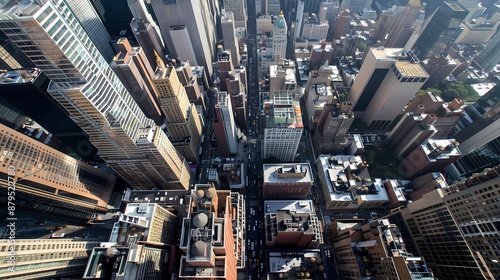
(93, 26)
(282, 127)
(280, 37)
(198, 18)
(229, 36)
(86, 86)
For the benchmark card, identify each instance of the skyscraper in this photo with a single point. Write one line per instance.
(197, 19)
(36, 103)
(224, 126)
(387, 81)
(183, 122)
(84, 84)
(146, 32)
(486, 115)
(238, 9)
(280, 38)
(47, 258)
(230, 40)
(93, 26)
(489, 57)
(396, 25)
(50, 182)
(456, 229)
(441, 31)
(132, 67)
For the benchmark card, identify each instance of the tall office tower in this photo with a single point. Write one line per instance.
(282, 127)
(224, 126)
(115, 14)
(90, 91)
(132, 67)
(312, 6)
(355, 5)
(238, 9)
(236, 91)
(225, 66)
(11, 57)
(273, 7)
(432, 156)
(93, 26)
(189, 81)
(381, 247)
(207, 241)
(342, 23)
(50, 182)
(489, 57)
(299, 17)
(46, 258)
(438, 67)
(193, 19)
(232, 81)
(486, 115)
(183, 122)
(36, 103)
(292, 224)
(229, 37)
(280, 39)
(139, 246)
(387, 81)
(146, 32)
(441, 31)
(412, 130)
(396, 25)
(455, 229)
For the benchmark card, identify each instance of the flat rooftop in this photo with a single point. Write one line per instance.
(271, 173)
(409, 69)
(298, 206)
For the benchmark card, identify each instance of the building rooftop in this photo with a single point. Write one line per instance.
(388, 53)
(19, 76)
(409, 69)
(436, 149)
(283, 263)
(17, 8)
(283, 112)
(288, 173)
(298, 206)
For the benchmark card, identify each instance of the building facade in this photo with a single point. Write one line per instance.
(282, 127)
(224, 126)
(109, 115)
(46, 258)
